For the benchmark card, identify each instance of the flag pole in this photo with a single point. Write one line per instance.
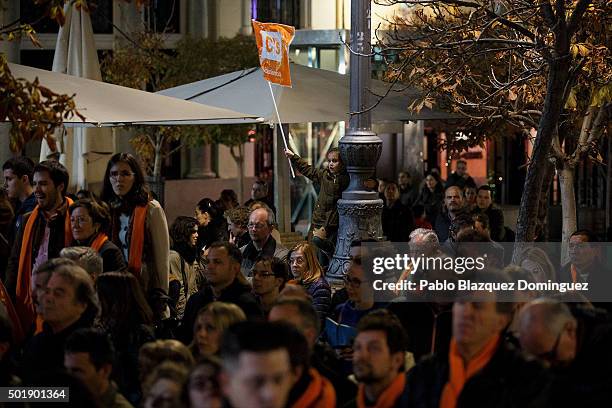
(280, 124)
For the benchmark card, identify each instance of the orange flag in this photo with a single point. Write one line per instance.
(273, 46)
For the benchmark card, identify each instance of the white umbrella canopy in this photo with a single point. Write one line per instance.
(316, 95)
(105, 104)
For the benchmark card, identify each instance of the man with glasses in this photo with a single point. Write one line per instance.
(262, 244)
(269, 278)
(575, 344)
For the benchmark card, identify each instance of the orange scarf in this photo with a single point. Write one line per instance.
(319, 394)
(388, 398)
(18, 335)
(23, 294)
(137, 239)
(97, 243)
(459, 374)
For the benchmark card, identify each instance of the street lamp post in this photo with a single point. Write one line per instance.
(359, 209)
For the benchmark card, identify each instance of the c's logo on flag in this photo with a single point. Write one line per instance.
(273, 45)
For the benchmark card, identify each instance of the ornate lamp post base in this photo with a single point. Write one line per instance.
(359, 210)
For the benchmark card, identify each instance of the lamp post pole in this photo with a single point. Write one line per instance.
(359, 209)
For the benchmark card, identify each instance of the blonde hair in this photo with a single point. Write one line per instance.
(314, 271)
(223, 314)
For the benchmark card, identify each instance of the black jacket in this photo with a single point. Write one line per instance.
(397, 222)
(45, 351)
(432, 201)
(112, 257)
(56, 244)
(236, 293)
(456, 180)
(496, 222)
(508, 380)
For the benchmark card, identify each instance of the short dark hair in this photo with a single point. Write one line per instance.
(256, 337)
(21, 166)
(277, 266)
(485, 187)
(57, 172)
(591, 237)
(232, 250)
(98, 212)
(462, 220)
(93, 342)
(304, 309)
(385, 321)
(481, 218)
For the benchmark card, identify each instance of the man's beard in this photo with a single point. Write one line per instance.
(365, 375)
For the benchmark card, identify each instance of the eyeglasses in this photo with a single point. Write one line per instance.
(257, 226)
(80, 220)
(353, 282)
(125, 174)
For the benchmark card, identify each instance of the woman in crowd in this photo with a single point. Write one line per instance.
(127, 318)
(139, 228)
(431, 196)
(203, 389)
(210, 323)
(185, 268)
(307, 272)
(237, 223)
(397, 219)
(212, 225)
(87, 218)
(163, 387)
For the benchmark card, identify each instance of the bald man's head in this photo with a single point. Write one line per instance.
(547, 329)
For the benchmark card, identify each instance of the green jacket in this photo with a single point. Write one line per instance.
(325, 212)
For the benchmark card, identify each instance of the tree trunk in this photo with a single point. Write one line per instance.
(558, 76)
(158, 157)
(544, 198)
(568, 207)
(239, 159)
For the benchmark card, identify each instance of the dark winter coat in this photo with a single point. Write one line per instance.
(332, 185)
(397, 222)
(508, 380)
(432, 201)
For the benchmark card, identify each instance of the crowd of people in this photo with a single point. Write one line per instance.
(102, 296)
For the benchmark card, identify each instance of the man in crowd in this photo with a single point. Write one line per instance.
(484, 204)
(42, 234)
(18, 179)
(407, 189)
(379, 361)
(70, 303)
(480, 369)
(256, 368)
(89, 356)
(577, 347)
(259, 192)
(223, 283)
(310, 389)
(300, 314)
(453, 206)
(269, 277)
(460, 177)
(262, 244)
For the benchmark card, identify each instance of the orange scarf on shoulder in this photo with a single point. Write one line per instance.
(97, 243)
(388, 398)
(319, 394)
(459, 374)
(23, 294)
(137, 239)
